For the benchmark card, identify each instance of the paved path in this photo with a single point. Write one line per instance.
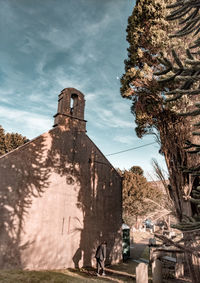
(138, 247)
(137, 250)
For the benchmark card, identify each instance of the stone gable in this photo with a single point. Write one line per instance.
(60, 197)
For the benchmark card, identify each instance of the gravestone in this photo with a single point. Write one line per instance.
(157, 271)
(142, 273)
(179, 267)
(179, 270)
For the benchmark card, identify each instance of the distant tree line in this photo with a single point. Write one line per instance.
(10, 141)
(138, 196)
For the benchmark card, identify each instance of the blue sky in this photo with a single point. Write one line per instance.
(53, 44)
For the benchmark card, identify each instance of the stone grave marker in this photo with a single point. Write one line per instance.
(179, 267)
(157, 271)
(179, 270)
(142, 273)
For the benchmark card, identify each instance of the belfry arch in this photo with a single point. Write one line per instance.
(71, 107)
(73, 103)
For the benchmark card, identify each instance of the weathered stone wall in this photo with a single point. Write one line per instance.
(59, 198)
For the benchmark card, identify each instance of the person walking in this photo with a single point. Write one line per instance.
(100, 258)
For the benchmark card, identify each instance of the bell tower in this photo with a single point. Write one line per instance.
(71, 106)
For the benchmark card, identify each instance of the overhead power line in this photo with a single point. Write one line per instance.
(130, 149)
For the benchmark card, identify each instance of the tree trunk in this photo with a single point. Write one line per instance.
(177, 158)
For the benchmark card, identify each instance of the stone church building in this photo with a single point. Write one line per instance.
(59, 197)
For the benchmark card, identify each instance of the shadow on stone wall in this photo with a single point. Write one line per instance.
(24, 174)
(97, 194)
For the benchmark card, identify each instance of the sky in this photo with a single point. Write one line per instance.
(50, 45)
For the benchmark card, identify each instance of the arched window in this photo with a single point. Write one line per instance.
(73, 103)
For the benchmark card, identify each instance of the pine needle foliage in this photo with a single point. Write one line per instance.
(148, 35)
(187, 74)
(165, 96)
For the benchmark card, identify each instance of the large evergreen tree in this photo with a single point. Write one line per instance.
(163, 107)
(148, 35)
(186, 74)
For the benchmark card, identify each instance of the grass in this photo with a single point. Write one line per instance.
(58, 276)
(118, 274)
(123, 272)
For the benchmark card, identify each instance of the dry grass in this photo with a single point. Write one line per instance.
(121, 273)
(58, 276)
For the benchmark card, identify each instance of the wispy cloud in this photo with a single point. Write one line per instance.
(90, 97)
(59, 38)
(26, 123)
(128, 140)
(109, 119)
(92, 29)
(80, 44)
